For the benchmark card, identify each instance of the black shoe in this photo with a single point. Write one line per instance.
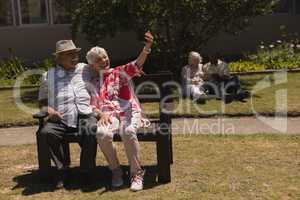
(201, 101)
(86, 179)
(241, 95)
(228, 98)
(59, 184)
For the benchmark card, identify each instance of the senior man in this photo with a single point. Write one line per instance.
(64, 97)
(220, 82)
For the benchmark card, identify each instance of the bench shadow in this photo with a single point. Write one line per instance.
(31, 182)
(30, 95)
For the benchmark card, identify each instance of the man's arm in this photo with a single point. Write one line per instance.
(205, 72)
(43, 100)
(224, 71)
(43, 92)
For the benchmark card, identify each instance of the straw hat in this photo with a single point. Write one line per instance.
(65, 45)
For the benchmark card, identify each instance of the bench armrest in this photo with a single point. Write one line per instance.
(40, 115)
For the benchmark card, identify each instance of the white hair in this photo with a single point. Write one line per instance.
(193, 55)
(94, 54)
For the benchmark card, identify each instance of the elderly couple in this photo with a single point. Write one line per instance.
(210, 78)
(94, 101)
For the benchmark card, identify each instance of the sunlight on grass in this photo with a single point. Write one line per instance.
(205, 167)
(263, 101)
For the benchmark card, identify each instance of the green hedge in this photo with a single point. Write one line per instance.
(11, 69)
(247, 66)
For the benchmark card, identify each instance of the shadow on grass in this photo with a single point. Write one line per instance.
(249, 83)
(32, 183)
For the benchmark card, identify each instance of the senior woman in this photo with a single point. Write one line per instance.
(193, 77)
(118, 110)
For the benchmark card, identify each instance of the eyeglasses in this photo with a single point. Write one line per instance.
(69, 54)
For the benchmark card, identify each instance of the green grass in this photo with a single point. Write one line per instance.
(263, 102)
(205, 167)
(11, 114)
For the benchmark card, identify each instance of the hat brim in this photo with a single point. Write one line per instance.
(58, 52)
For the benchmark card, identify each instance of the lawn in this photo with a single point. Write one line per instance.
(205, 167)
(265, 101)
(11, 114)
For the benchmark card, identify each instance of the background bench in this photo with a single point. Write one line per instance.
(160, 132)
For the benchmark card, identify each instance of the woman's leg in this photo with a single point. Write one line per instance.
(105, 140)
(196, 91)
(128, 132)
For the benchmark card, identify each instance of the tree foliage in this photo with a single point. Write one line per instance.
(179, 26)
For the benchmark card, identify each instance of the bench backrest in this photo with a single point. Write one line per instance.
(160, 86)
(153, 87)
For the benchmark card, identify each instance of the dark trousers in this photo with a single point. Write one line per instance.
(220, 88)
(57, 134)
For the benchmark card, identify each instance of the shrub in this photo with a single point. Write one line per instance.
(278, 55)
(12, 68)
(245, 66)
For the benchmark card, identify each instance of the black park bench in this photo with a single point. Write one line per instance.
(160, 131)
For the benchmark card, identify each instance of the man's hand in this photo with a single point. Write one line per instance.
(54, 115)
(104, 120)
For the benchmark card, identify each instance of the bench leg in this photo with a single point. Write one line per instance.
(163, 158)
(171, 149)
(44, 160)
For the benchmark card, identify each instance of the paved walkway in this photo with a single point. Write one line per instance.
(244, 125)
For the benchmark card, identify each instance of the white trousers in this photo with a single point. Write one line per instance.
(195, 90)
(127, 127)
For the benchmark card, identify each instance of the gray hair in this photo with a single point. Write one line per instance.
(192, 55)
(94, 54)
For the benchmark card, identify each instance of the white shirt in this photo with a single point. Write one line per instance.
(66, 93)
(221, 69)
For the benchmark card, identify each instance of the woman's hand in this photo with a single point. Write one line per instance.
(146, 50)
(104, 120)
(149, 40)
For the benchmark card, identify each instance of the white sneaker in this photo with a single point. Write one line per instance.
(117, 180)
(137, 181)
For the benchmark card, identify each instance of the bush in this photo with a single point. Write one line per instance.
(276, 55)
(12, 68)
(245, 66)
(248, 66)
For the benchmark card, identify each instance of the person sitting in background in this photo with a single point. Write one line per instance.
(192, 77)
(220, 82)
